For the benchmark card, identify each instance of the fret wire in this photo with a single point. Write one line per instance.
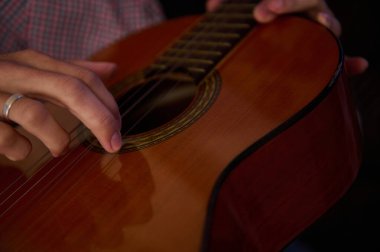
(204, 43)
(195, 51)
(218, 31)
(224, 25)
(84, 152)
(233, 16)
(213, 34)
(186, 60)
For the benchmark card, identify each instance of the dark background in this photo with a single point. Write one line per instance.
(353, 223)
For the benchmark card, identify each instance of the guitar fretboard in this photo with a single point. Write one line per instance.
(203, 46)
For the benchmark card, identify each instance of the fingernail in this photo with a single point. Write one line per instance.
(116, 141)
(61, 153)
(12, 158)
(212, 5)
(276, 5)
(324, 18)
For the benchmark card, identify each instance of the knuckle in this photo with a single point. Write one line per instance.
(35, 113)
(106, 121)
(73, 87)
(90, 78)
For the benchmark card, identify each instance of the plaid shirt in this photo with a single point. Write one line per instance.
(69, 29)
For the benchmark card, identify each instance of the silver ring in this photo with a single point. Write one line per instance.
(8, 104)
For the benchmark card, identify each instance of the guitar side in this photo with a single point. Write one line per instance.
(311, 164)
(276, 149)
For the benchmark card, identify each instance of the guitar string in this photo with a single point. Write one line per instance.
(125, 113)
(109, 162)
(50, 210)
(87, 149)
(172, 70)
(32, 167)
(80, 133)
(78, 182)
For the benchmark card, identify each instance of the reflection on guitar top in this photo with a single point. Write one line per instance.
(236, 137)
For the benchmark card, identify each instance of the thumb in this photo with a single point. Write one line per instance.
(355, 65)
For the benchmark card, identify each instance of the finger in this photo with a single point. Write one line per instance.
(329, 21)
(69, 92)
(34, 117)
(212, 5)
(292, 6)
(103, 69)
(13, 145)
(268, 10)
(89, 78)
(262, 13)
(355, 65)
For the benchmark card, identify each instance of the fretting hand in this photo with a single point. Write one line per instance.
(268, 10)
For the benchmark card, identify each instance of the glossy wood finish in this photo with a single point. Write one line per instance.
(252, 213)
(157, 199)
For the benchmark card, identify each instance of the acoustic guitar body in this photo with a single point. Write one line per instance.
(252, 151)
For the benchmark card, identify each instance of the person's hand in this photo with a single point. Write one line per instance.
(76, 86)
(267, 10)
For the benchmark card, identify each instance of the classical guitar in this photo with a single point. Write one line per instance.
(236, 137)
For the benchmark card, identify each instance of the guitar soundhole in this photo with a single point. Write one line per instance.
(155, 108)
(150, 105)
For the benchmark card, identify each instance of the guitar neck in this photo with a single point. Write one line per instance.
(200, 49)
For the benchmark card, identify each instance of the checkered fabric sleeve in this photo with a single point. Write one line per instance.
(71, 29)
